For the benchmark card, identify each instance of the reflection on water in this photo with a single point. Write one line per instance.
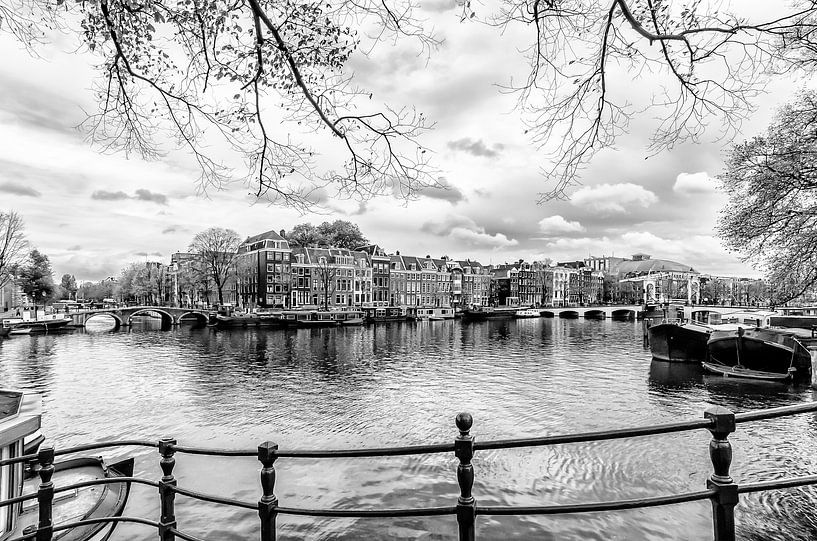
(402, 384)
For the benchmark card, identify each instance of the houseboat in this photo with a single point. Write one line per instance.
(527, 313)
(241, 319)
(430, 314)
(20, 418)
(380, 314)
(42, 323)
(482, 313)
(349, 318)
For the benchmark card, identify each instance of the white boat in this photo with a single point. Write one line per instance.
(20, 417)
(42, 323)
(527, 313)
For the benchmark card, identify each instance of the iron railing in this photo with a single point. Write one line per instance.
(721, 489)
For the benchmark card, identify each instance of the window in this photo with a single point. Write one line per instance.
(286, 256)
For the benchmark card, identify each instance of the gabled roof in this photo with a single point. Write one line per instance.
(397, 262)
(269, 235)
(409, 260)
(372, 250)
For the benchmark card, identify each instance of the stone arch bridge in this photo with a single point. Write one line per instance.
(625, 312)
(124, 316)
(697, 312)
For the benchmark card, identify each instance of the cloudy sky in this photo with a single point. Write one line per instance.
(93, 213)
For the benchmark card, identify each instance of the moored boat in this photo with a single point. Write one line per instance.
(758, 354)
(45, 323)
(317, 318)
(4, 329)
(348, 318)
(20, 418)
(679, 342)
(240, 320)
(381, 314)
(482, 313)
(527, 313)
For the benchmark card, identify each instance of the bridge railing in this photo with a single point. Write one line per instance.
(721, 489)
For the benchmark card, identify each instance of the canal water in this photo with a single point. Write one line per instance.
(403, 384)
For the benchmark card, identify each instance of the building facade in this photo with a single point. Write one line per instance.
(264, 271)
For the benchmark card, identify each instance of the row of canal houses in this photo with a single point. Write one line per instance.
(272, 273)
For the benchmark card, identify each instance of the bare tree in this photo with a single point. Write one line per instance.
(255, 74)
(326, 279)
(216, 249)
(714, 62)
(13, 245)
(233, 72)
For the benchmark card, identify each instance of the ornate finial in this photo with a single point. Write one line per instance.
(464, 422)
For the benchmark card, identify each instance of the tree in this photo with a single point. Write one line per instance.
(326, 280)
(36, 278)
(771, 215)
(342, 234)
(304, 234)
(171, 65)
(338, 234)
(216, 249)
(13, 245)
(68, 287)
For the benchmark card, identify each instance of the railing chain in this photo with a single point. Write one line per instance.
(466, 504)
(726, 490)
(267, 453)
(167, 493)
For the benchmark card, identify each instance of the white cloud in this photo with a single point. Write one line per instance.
(613, 197)
(466, 230)
(694, 183)
(554, 225)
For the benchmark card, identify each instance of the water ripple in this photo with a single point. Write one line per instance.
(403, 384)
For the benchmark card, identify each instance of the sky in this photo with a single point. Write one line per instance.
(94, 213)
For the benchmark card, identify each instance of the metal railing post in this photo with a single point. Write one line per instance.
(466, 504)
(167, 496)
(267, 453)
(720, 451)
(45, 494)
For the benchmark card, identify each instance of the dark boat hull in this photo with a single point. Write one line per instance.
(4, 331)
(685, 343)
(761, 350)
(482, 315)
(230, 322)
(44, 326)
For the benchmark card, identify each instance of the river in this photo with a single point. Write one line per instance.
(403, 384)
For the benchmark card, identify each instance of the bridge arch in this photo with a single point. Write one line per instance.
(569, 314)
(701, 314)
(594, 314)
(117, 320)
(624, 314)
(167, 319)
(200, 317)
(547, 313)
